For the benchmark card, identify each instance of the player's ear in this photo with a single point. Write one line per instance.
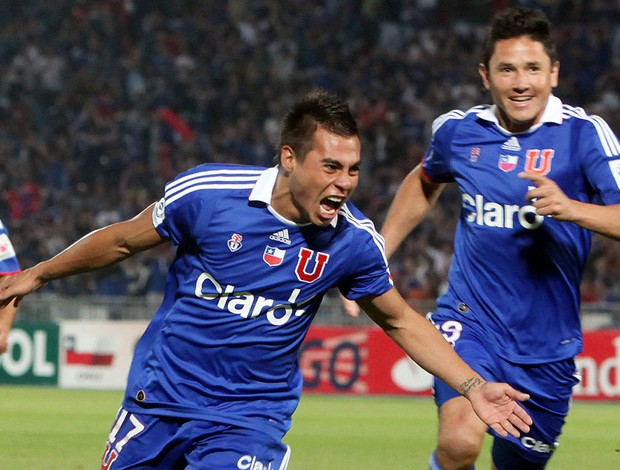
(555, 73)
(484, 75)
(287, 158)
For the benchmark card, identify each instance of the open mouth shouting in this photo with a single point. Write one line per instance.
(330, 206)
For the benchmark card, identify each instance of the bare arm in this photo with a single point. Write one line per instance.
(413, 200)
(604, 220)
(549, 200)
(96, 250)
(418, 338)
(495, 403)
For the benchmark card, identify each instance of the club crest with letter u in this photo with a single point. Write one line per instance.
(302, 269)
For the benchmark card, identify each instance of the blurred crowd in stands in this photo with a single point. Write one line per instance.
(103, 101)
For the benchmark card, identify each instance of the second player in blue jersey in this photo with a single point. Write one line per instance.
(535, 177)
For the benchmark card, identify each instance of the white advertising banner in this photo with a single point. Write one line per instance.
(97, 354)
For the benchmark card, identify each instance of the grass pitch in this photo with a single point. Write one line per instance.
(54, 429)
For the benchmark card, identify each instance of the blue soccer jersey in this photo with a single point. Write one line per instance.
(519, 273)
(8, 260)
(241, 294)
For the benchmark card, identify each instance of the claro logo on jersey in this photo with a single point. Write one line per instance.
(494, 214)
(247, 305)
(250, 462)
(538, 446)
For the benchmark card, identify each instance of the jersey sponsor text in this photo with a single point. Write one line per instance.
(245, 304)
(537, 446)
(494, 214)
(250, 462)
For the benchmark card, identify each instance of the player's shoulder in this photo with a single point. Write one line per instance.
(208, 177)
(353, 215)
(591, 127)
(457, 117)
(220, 171)
(361, 227)
(576, 115)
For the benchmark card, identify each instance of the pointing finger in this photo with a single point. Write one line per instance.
(535, 178)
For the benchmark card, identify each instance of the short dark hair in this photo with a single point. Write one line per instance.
(316, 109)
(517, 22)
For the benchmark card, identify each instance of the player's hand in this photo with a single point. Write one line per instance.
(548, 198)
(16, 286)
(497, 404)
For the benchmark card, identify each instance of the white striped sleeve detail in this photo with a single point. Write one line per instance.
(454, 114)
(368, 226)
(437, 123)
(614, 167)
(216, 174)
(606, 136)
(210, 180)
(200, 187)
(608, 139)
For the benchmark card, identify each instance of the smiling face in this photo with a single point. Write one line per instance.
(521, 77)
(312, 189)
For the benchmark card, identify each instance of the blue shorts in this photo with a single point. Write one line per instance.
(141, 441)
(550, 384)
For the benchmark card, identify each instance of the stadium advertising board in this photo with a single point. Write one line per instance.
(32, 357)
(358, 360)
(97, 355)
(599, 366)
(366, 361)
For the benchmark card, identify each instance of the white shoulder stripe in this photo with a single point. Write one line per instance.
(607, 138)
(201, 187)
(609, 141)
(437, 123)
(210, 179)
(172, 189)
(367, 226)
(216, 174)
(454, 114)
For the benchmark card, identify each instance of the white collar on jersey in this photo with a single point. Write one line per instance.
(262, 193)
(552, 114)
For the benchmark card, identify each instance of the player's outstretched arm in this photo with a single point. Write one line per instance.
(495, 403)
(98, 249)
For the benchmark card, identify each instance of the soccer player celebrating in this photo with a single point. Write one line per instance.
(215, 379)
(535, 177)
